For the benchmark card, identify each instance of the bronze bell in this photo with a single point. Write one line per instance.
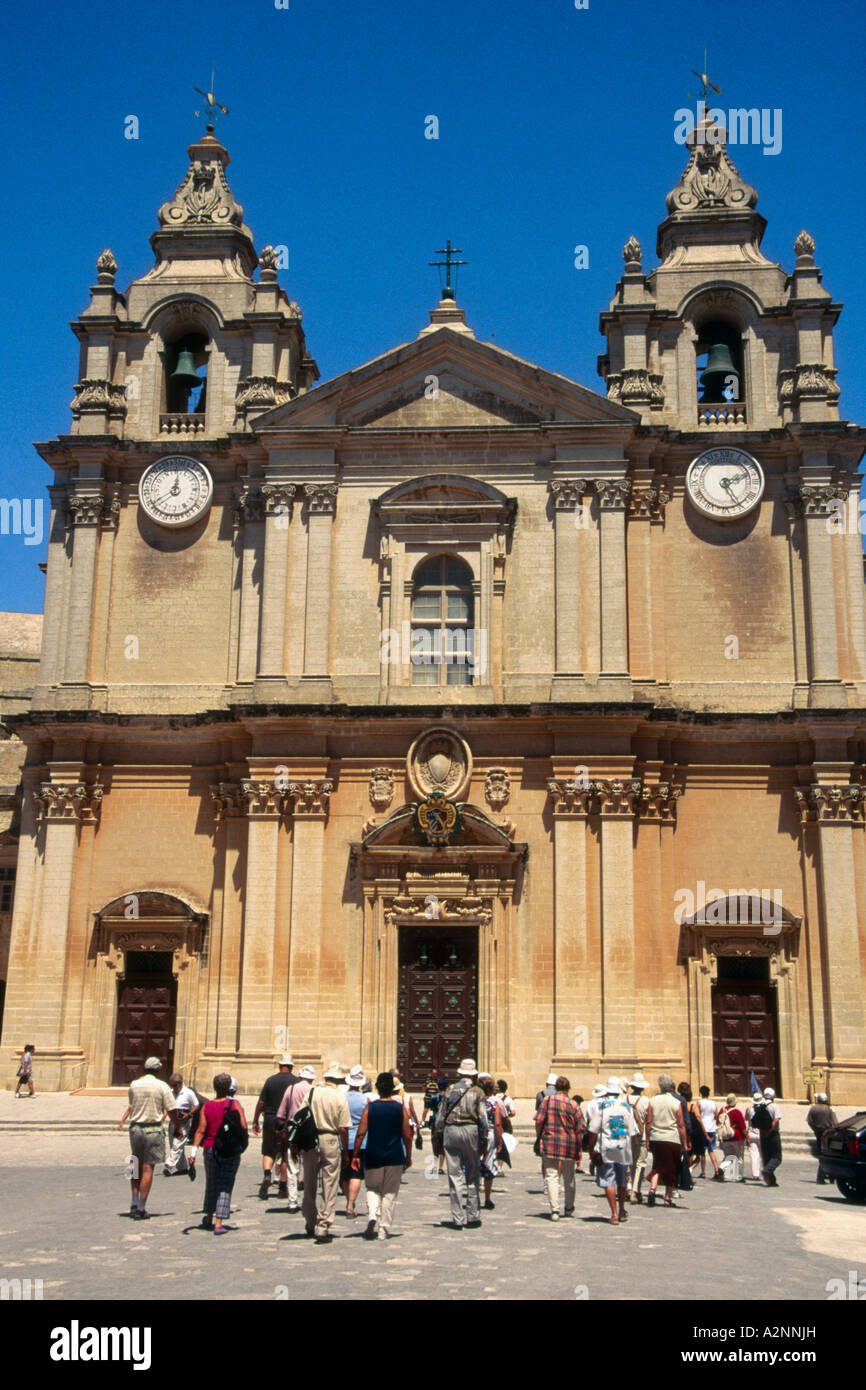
(185, 373)
(717, 374)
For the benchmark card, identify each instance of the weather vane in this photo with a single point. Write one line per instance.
(449, 252)
(706, 84)
(211, 105)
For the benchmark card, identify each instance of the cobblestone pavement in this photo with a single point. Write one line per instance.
(64, 1219)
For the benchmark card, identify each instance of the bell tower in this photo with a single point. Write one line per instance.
(196, 347)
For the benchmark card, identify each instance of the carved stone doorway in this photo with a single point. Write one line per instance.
(146, 1016)
(745, 1026)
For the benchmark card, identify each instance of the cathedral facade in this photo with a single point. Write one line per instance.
(450, 707)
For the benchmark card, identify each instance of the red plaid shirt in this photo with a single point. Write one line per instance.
(558, 1125)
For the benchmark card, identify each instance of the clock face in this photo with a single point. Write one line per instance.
(725, 483)
(176, 491)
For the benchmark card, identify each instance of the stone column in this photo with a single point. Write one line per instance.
(321, 507)
(264, 805)
(310, 810)
(576, 1032)
(63, 804)
(825, 686)
(838, 812)
(567, 503)
(617, 802)
(85, 512)
(646, 509)
(612, 499)
(54, 632)
(271, 676)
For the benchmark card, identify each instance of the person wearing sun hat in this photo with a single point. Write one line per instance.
(590, 1138)
(461, 1132)
(333, 1121)
(639, 1102)
(614, 1124)
(549, 1090)
(753, 1136)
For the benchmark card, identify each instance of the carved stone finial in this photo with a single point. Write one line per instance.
(804, 248)
(632, 253)
(268, 257)
(204, 198)
(710, 181)
(106, 267)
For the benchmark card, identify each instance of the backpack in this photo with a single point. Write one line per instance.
(762, 1120)
(231, 1138)
(724, 1128)
(301, 1132)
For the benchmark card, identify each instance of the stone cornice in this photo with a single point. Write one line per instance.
(606, 797)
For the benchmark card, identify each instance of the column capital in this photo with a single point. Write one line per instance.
(228, 801)
(658, 801)
(278, 497)
(321, 498)
(616, 797)
(570, 796)
(260, 799)
(311, 798)
(828, 805)
(249, 504)
(612, 493)
(85, 508)
(807, 499)
(567, 493)
(648, 503)
(68, 801)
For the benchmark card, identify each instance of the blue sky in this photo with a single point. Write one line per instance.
(555, 129)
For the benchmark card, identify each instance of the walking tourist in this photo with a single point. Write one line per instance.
(732, 1133)
(431, 1098)
(150, 1100)
(222, 1142)
(558, 1127)
(549, 1090)
(385, 1130)
(615, 1125)
(753, 1137)
(461, 1130)
(708, 1113)
(357, 1101)
(590, 1135)
(507, 1103)
(322, 1165)
(25, 1072)
(819, 1119)
(766, 1119)
(294, 1097)
(273, 1145)
(639, 1103)
(177, 1138)
(695, 1133)
(666, 1129)
(495, 1119)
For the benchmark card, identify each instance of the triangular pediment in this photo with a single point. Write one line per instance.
(445, 380)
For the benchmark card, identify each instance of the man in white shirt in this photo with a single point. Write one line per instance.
(178, 1137)
(150, 1100)
(614, 1123)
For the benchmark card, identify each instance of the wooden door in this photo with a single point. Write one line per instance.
(146, 1013)
(744, 1036)
(437, 1001)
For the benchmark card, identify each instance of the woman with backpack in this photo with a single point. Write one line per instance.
(222, 1134)
(753, 1136)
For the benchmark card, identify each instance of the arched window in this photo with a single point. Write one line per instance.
(186, 375)
(719, 355)
(443, 609)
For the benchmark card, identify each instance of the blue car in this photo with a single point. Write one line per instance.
(843, 1156)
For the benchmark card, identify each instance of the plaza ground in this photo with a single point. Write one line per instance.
(65, 1203)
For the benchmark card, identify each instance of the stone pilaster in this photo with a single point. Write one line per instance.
(271, 678)
(310, 799)
(818, 503)
(224, 963)
(576, 1017)
(567, 497)
(86, 511)
(250, 533)
(618, 800)
(612, 500)
(321, 507)
(832, 822)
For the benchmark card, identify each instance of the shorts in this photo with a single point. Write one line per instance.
(711, 1141)
(147, 1143)
(347, 1172)
(612, 1174)
(273, 1144)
